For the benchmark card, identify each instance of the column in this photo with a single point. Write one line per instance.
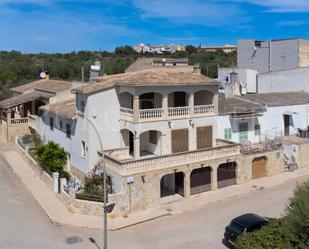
(33, 107)
(136, 147)
(136, 109)
(165, 106)
(192, 137)
(191, 104)
(214, 180)
(187, 185)
(215, 102)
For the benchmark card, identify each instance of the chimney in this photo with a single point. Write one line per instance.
(46, 75)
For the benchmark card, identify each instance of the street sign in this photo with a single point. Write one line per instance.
(109, 208)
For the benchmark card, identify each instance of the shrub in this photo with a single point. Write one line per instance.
(268, 237)
(296, 225)
(53, 157)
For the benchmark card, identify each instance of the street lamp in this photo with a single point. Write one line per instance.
(106, 209)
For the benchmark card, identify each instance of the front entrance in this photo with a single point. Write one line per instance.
(172, 184)
(226, 174)
(286, 120)
(259, 167)
(200, 180)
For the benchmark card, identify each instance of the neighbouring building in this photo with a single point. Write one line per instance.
(273, 55)
(225, 48)
(23, 109)
(153, 63)
(158, 49)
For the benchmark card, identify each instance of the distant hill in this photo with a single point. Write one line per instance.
(17, 68)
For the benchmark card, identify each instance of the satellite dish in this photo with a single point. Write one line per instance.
(43, 75)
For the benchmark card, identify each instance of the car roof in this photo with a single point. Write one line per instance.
(247, 220)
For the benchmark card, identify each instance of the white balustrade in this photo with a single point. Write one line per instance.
(204, 109)
(145, 114)
(179, 111)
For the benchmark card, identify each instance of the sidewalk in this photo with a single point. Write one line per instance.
(58, 213)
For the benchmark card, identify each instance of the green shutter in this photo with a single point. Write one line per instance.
(257, 130)
(243, 132)
(228, 134)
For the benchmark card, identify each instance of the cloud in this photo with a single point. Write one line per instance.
(208, 13)
(280, 5)
(294, 23)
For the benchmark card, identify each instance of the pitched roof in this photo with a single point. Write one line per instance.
(152, 77)
(238, 105)
(65, 108)
(280, 98)
(44, 85)
(23, 98)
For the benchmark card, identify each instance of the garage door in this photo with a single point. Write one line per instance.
(259, 167)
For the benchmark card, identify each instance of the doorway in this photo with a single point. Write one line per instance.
(286, 120)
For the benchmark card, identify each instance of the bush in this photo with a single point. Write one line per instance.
(53, 157)
(296, 225)
(268, 237)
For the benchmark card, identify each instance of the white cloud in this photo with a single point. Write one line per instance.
(280, 5)
(207, 13)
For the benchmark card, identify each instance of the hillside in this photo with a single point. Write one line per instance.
(17, 68)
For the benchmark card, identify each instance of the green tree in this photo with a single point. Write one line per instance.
(52, 156)
(125, 51)
(296, 225)
(191, 49)
(268, 237)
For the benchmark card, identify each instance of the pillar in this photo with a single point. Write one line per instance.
(215, 102)
(33, 107)
(214, 179)
(192, 137)
(136, 109)
(187, 185)
(55, 182)
(136, 147)
(165, 106)
(191, 104)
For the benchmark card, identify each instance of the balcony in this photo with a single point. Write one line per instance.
(131, 166)
(176, 105)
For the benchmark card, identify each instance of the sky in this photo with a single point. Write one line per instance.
(72, 25)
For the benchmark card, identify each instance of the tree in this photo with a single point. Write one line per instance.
(191, 49)
(296, 225)
(53, 157)
(125, 51)
(268, 237)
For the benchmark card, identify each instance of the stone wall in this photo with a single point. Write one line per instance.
(303, 155)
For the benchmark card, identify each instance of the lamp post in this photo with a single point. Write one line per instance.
(102, 162)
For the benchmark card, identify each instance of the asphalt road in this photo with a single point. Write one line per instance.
(23, 225)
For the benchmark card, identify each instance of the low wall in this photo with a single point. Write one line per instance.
(68, 197)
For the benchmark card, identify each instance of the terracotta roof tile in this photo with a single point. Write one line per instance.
(65, 108)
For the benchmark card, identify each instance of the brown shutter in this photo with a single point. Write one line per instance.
(180, 141)
(204, 137)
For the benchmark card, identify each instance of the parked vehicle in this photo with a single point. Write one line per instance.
(240, 225)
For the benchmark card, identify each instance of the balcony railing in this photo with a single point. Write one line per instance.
(130, 167)
(19, 121)
(145, 115)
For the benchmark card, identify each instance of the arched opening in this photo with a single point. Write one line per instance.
(259, 167)
(172, 184)
(150, 143)
(128, 140)
(203, 98)
(200, 180)
(126, 100)
(150, 100)
(178, 99)
(226, 174)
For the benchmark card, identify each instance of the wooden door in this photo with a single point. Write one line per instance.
(259, 167)
(204, 137)
(286, 125)
(180, 140)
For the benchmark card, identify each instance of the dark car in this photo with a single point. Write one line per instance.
(240, 225)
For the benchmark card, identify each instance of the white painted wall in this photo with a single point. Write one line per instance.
(284, 81)
(247, 77)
